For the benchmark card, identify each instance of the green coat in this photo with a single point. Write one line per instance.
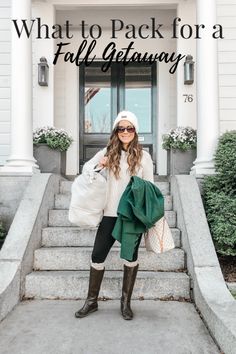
(140, 207)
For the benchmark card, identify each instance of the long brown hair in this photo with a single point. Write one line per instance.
(114, 149)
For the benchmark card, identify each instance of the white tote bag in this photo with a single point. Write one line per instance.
(88, 198)
(158, 238)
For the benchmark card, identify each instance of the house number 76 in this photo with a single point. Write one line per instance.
(188, 98)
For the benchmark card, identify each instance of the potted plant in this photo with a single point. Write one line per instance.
(3, 234)
(180, 144)
(50, 145)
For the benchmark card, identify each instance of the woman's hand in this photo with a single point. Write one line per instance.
(103, 162)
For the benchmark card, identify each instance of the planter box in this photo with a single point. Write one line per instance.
(50, 160)
(180, 162)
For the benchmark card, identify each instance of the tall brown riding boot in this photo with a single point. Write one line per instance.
(91, 305)
(127, 289)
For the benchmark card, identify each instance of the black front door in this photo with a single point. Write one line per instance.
(103, 95)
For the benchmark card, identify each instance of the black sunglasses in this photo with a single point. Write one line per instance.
(129, 129)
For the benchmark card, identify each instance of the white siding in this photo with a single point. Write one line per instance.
(173, 101)
(60, 95)
(226, 10)
(5, 69)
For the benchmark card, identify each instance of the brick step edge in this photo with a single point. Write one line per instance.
(59, 217)
(164, 186)
(74, 285)
(75, 237)
(78, 258)
(62, 201)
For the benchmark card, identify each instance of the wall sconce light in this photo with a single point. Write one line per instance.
(43, 72)
(188, 70)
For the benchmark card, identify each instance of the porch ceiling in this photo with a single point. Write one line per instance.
(120, 5)
(135, 15)
(74, 4)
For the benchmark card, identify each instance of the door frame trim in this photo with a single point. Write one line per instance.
(154, 111)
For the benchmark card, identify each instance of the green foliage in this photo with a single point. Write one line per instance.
(3, 233)
(219, 193)
(182, 138)
(221, 211)
(225, 161)
(54, 138)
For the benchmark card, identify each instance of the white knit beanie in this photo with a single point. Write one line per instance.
(126, 115)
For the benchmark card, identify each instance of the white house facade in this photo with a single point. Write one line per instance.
(85, 100)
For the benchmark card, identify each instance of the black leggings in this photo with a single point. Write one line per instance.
(104, 240)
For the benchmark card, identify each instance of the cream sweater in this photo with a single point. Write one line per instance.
(116, 187)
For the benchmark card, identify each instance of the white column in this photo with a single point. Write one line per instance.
(207, 90)
(186, 111)
(44, 113)
(21, 159)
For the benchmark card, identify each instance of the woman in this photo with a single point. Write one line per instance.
(124, 158)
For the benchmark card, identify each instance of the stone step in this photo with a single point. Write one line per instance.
(74, 285)
(75, 237)
(62, 201)
(60, 218)
(78, 258)
(65, 187)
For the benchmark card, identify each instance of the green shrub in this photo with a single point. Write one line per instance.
(221, 217)
(3, 233)
(225, 161)
(219, 195)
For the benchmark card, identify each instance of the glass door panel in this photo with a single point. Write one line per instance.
(138, 93)
(97, 101)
